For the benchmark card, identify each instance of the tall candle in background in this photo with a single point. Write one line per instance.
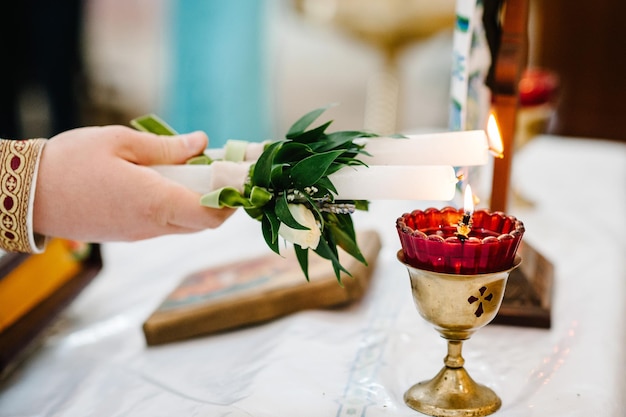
(469, 95)
(508, 68)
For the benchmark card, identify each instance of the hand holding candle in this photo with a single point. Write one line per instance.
(325, 174)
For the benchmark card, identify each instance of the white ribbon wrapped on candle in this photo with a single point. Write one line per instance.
(353, 183)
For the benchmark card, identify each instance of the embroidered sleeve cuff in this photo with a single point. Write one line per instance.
(19, 162)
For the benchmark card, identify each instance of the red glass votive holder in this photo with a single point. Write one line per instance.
(430, 241)
(537, 86)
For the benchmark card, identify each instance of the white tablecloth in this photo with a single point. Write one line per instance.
(357, 360)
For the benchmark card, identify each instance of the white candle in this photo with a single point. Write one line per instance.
(463, 148)
(379, 182)
(352, 183)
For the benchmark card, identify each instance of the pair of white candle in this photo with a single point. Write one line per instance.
(418, 167)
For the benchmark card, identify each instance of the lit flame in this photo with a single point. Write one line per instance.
(468, 200)
(495, 139)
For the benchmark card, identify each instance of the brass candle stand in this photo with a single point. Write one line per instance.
(457, 306)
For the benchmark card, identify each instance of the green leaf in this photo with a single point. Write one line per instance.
(224, 197)
(303, 259)
(199, 160)
(267, 226)
(305, 121)
(259, 196)
(263, 167)
(316, 211)
(363, 205)
(255, 212)
(333, 248)
(274, 223)
(313, 135)
(334, 167)
(279, 178)
(153, 124)
(344, 222)
(325, 186)
(309, 171)
(338, 139)
(284, 215)
(325, 250)
(292, 151)
(346, 241)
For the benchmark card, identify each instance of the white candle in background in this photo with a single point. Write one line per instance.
(352, 183)
(463, 148)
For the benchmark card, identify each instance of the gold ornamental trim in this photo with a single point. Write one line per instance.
(18, 165)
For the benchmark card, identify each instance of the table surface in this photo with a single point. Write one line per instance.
(357, 360)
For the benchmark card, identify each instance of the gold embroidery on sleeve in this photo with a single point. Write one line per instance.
(18, 161)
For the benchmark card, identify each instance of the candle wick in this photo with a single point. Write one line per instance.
(464, 227)
(496, 153)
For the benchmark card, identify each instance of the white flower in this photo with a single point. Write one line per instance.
(304, 238)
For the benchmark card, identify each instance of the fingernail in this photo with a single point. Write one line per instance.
(193, 141)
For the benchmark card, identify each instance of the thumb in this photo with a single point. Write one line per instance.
(165, 150)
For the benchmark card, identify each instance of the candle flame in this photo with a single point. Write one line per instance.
(495, 139)
(468, 200)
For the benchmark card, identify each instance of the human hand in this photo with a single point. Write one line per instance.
(94, 185)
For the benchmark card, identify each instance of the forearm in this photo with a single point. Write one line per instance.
(19, 163)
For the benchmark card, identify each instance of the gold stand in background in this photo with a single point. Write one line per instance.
(390, 26)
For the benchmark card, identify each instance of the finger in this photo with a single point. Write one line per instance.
(182, 209)
(147, 149)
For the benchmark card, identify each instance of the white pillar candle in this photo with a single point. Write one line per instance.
(352, 183)
(463, 148)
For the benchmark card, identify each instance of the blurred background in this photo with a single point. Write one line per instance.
(247, 69)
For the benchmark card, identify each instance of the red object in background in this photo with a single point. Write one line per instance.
(429, 241)
(537, 86)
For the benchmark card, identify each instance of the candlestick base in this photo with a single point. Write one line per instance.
(456, 305)
(452, 393)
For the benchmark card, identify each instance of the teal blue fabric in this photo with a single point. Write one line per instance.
(218, 80)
